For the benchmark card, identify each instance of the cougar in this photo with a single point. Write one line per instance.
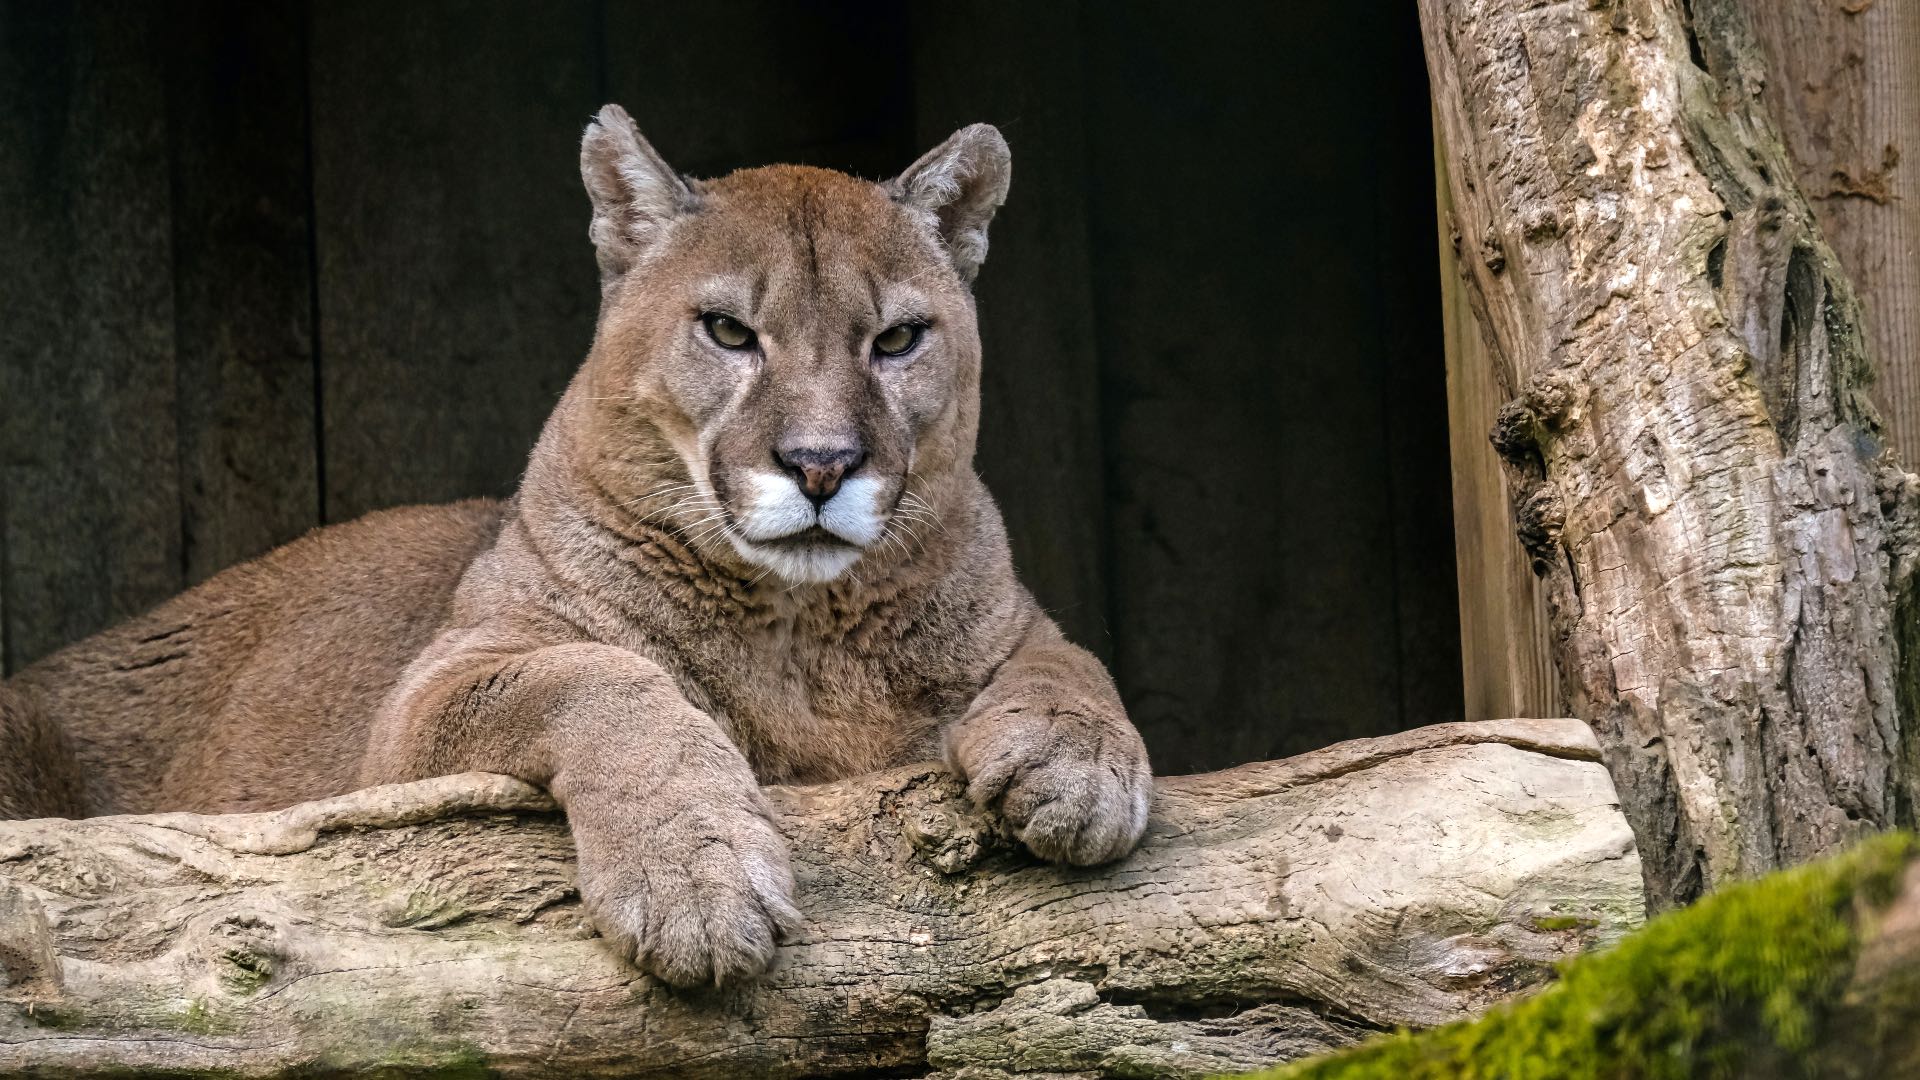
(749, 547)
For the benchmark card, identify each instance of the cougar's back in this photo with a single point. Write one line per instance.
(249, 691)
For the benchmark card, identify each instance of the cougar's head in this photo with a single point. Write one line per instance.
(785, 355)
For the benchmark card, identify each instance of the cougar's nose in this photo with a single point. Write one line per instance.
(819, 470)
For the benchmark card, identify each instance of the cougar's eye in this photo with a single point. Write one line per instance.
(727, 331)
(895, 340)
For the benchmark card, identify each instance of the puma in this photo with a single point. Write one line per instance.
(749, 547)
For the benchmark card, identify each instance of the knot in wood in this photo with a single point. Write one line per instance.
(1553, 397)
(947, 840)
(1513, 435)
(1542, 516)
(244, 953)
(1492, 251)
(1541, 224)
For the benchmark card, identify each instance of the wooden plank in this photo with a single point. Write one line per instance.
(86, 346)
(1844, 88)
(729, 84)
(1243, 355)
(1506, 648)
(243, 289)
(457, 289)
(1040, 417)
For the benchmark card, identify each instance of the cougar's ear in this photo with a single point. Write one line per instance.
(958, 185)
(635, 193)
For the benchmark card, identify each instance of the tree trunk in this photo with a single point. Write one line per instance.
(1697, 471)
(1274, 911)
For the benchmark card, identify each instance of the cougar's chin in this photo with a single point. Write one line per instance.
(810, 557)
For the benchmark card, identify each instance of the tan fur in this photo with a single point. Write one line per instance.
(612, 632)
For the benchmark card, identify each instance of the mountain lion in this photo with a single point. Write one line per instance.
(749, 548)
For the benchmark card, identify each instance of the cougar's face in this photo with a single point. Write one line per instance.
(785, 353)
(804, 348)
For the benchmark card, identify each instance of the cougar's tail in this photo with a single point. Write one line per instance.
(38, 774)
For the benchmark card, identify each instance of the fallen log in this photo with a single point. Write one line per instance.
(1274, 911)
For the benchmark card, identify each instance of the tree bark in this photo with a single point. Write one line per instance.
(1274, 911)
(1697, 470)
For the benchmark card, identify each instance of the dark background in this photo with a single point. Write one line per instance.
(268, 266)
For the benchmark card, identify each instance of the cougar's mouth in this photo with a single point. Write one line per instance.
(774, 524)
(809, 536)
(811, 555)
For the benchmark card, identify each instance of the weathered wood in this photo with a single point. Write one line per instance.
(87, 435)
(1842, 85)
(1040, 381)
(1302, 904)
(1247, 374)
(1506, 648)
(1700, 473)
(242, 280)
(732, 84)
(456, 288)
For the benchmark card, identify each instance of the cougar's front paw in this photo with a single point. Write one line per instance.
(1075, 788)
(700, 899)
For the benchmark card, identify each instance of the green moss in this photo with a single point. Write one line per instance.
(426, 909)
(458, 1063)
(199, 1019)
(244, 971)
(1745, 978)
(50, 1014)
(1551, 923)
(452, 1060)
(196, 1019)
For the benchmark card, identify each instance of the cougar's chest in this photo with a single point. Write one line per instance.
(807, 705)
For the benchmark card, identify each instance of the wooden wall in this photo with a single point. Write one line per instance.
(270, 266)
(1506, 643)
(1844, 87)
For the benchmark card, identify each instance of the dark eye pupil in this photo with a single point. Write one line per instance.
(896, 340)
(728, 332)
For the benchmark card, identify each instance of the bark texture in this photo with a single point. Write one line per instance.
(1274, 911)
(1697, 470)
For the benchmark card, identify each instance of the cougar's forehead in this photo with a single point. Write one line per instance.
(805, 238)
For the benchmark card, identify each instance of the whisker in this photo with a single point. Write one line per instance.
(896, 547)
(920, 517)
(710, 527)
(918, 503)
(683, 493)
(914, 534)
